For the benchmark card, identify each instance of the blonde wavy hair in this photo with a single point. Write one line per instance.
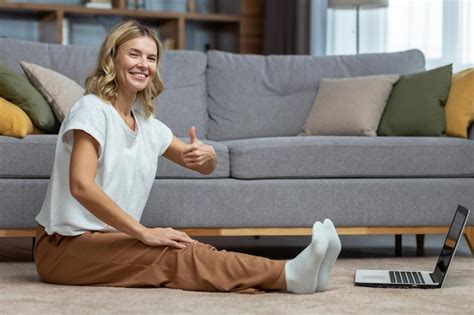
(102, 82)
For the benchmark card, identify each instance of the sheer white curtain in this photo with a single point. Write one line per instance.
(442, 29)
(466, 40)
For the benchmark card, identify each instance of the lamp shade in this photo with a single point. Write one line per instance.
(357, 3)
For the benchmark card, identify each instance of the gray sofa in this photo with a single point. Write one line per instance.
(268, 180)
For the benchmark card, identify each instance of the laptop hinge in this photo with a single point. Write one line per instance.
(434, 277)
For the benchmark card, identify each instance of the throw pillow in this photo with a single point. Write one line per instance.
(14, 121)
(349, 106)
(415, 107)
(19, 91)
(59, 91)
(460, 104)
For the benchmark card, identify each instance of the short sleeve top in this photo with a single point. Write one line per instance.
(126, 165)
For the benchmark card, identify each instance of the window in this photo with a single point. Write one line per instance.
(442, 29)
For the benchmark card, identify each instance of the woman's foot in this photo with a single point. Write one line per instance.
(332, 253)
(301, 273)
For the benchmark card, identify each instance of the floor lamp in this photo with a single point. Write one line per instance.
(358, 4)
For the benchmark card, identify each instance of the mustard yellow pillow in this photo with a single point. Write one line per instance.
(14, 121)
(460, 105)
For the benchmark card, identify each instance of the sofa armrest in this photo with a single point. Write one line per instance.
(471, 132)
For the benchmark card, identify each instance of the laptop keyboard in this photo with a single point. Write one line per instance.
(406, 277)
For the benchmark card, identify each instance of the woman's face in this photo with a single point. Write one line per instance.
(135, 64)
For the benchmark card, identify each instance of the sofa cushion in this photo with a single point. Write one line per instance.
(18, 90)
(300, 202)
(349, 106)
(256, 96)
(460, 104)
(168, 169)
(183, 103)
(30, 157)
(59, 91)
(75, 62)
(33, 156)
(272, 203)
(416, 105)
(330, 157)
(14, 121)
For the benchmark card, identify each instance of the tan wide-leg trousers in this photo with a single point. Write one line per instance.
(117, 259)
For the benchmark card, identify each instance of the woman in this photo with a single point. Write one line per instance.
(106, 157)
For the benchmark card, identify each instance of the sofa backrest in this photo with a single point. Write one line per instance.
(183, 103)
(254, 96)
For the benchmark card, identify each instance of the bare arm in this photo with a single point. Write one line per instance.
(195, 156)
(83, 187)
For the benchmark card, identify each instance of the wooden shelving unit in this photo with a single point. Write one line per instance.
(245, 27)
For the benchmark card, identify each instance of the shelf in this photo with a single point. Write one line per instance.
(38, 8)
(216, 17)
(51, 19)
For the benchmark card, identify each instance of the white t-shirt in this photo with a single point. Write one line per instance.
(125, 169)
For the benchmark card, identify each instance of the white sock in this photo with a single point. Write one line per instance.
(301, 272)
(332, 253)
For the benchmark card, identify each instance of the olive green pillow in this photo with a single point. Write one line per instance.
(19, 91)
(416, 104)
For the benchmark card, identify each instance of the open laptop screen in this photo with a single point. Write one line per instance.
(449, 247)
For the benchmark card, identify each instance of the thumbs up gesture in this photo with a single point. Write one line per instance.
(192, 134)
(198, 155)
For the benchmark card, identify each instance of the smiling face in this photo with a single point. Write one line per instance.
(135, 64)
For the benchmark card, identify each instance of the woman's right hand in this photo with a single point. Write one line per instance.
(165, 237)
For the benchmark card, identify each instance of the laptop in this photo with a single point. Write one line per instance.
(419, 279)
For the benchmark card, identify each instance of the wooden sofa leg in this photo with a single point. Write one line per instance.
(420, 244)
(33, 241)
(398, 245)
(469, 234)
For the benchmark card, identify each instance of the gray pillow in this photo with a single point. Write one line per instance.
(349, 106)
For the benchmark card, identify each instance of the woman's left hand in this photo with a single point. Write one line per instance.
(198, 154)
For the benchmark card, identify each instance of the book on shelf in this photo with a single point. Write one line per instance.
(168, 43)
(165, 5)
(98, 4)
(93, 5)
(97, 1)
(136, 4)
(65, 31)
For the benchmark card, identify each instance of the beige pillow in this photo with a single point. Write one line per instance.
(59, 91)
(349, 106)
